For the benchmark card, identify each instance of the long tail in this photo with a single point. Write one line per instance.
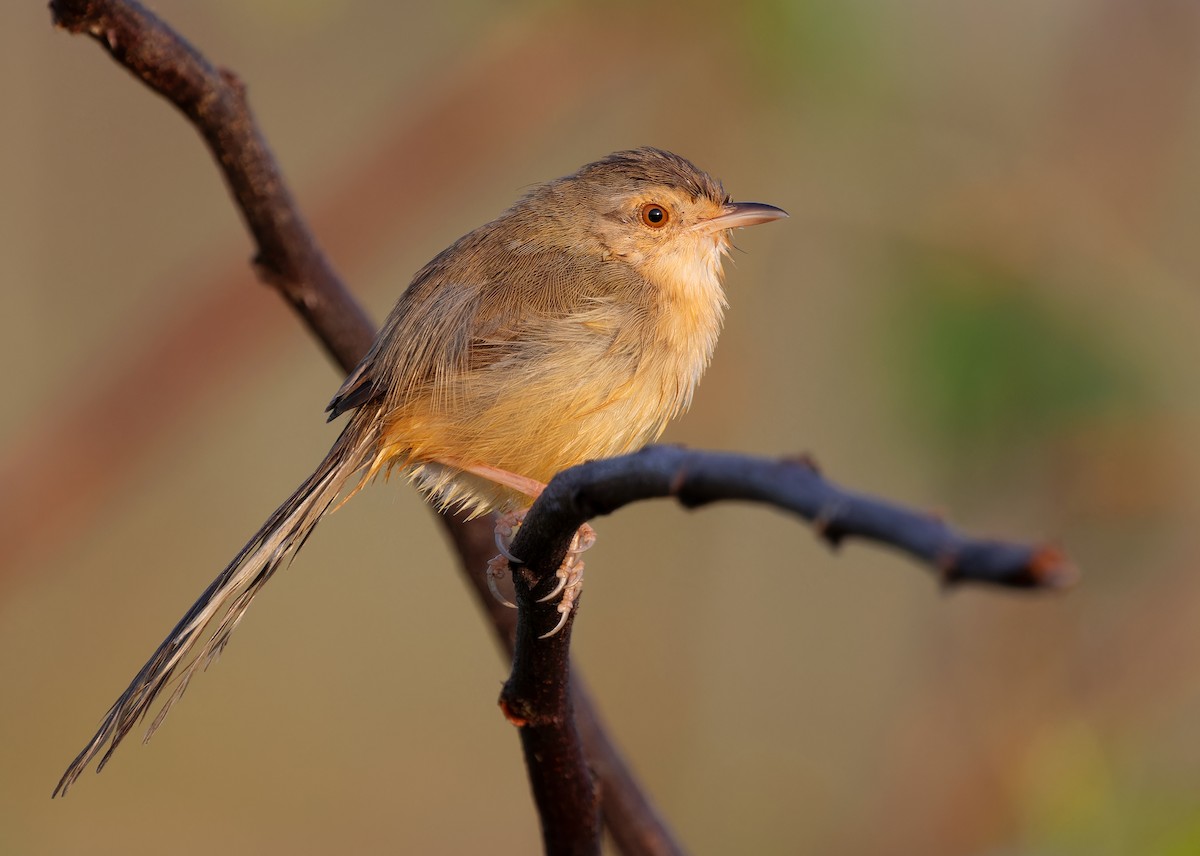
(206, 627)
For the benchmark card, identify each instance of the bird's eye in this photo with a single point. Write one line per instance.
(654, 215)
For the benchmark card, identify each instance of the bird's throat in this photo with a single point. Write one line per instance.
(692, 309)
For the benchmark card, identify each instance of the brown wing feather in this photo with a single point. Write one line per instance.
(460, 315)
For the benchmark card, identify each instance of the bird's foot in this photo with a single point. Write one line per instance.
(569, 575)
(498, 567)
(570, 578)
(570, 572)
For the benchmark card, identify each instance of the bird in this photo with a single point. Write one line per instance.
(573, 326)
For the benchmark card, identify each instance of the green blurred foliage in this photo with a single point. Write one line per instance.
(1082, 799)
(987, 366)
(824, 47)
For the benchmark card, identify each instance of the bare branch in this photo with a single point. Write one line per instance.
(629, 816)
(697, 478)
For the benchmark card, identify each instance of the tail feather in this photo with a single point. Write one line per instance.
(205, 629)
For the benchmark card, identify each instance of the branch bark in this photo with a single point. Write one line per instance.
(696, 478)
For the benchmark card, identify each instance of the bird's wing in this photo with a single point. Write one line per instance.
(456, 320)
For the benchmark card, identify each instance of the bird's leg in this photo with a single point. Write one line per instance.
(569, 573)
(531, 488)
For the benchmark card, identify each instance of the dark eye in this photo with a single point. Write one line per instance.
(654, 215)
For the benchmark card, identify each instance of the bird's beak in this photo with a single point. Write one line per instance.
(735, 215)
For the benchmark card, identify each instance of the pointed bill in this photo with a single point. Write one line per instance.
(735, 215)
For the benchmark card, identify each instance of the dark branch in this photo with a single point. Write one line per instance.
(537, 699)
(628, 815)
(695, 478)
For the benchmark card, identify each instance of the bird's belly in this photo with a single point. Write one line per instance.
(537, 419)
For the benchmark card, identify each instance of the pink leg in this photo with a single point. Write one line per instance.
(521, 484)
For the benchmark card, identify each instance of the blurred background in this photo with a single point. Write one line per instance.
(985, 303)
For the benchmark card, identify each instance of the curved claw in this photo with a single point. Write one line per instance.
(496, 593)
(493, 573)
(562, 622)
(503, 548)
(562, 584)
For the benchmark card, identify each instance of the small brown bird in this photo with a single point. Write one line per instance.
(573, 326)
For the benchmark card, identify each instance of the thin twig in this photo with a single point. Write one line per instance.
(698, 478)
